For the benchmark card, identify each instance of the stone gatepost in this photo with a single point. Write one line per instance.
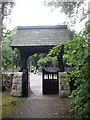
(63, 84)
(17, 84)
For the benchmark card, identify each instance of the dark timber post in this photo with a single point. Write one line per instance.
(23, 64)
(24, 70)
(13, 60)
(60, 59)
(25, 83)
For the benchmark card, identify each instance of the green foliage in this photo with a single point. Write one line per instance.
(42, 62)
(54, 51)
(77, 51)
(75, 10)
(51, 58)
(16, 58)
(77, 56)
(6, 81)
(34, 58)
(7, 51)
(6, 54)
(0, 85)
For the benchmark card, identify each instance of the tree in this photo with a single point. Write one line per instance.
(77, 51)
(76, 11)
(7, 51)
(5, 10)
(33, 59)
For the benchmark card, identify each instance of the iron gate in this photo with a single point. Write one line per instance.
(50, 82)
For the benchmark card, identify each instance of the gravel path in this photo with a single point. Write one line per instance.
(47, 106)
(43, 106)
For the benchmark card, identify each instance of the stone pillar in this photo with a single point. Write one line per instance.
(63, 85)
(17, 84)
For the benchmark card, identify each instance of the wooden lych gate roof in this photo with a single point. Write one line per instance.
(38, 39)
(40, 35)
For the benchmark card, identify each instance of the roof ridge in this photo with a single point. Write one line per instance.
(42, 27)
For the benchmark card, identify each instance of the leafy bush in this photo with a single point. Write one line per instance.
(6, 81)
(0, 85)
(7, 52)
(77, 56)
(51, 58)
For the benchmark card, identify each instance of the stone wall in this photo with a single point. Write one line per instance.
(17, 84)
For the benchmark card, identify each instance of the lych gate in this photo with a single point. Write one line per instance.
(37, 39)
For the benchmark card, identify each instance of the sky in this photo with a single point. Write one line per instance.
(33, 13)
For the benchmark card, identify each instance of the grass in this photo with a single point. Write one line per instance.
(10, 104)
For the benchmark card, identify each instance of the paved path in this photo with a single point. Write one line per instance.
(42, 106)
(36, 83)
